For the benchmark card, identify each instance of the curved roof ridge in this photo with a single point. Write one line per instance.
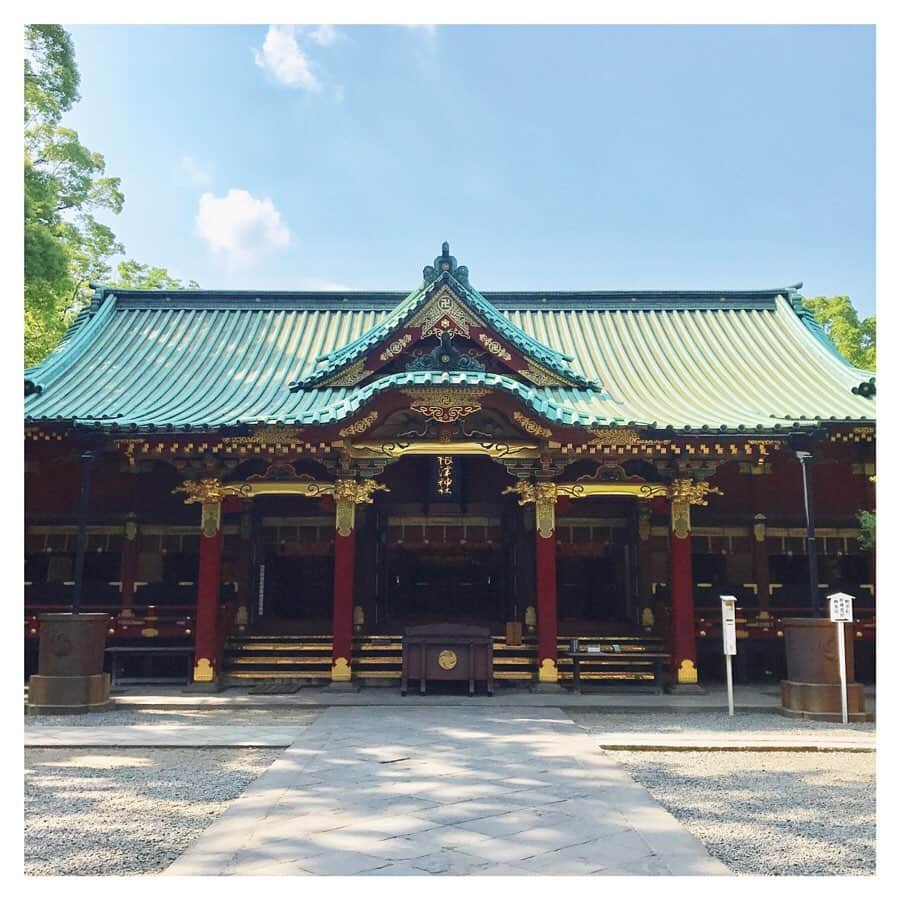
(75, 337)
(537, 399)
(455, 278)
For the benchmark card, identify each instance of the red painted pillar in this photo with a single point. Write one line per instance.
(545, 584)
(347, 493)
(346, 496)
(681, 585)
(342, 618)
(207, 642)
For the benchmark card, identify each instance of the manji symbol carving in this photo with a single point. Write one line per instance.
(494, 347)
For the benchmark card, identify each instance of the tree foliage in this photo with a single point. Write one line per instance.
(66, 186)
(854, 338)
(51, 76)
(135, 275)
(866, 529)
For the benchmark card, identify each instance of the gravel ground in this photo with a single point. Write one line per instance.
(718, 722)
(126, 812)
(147, 716)
(769, 813)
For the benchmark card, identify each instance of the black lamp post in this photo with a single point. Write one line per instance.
(87, 458)
(805, 457)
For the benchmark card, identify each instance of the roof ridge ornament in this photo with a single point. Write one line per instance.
(445, 263)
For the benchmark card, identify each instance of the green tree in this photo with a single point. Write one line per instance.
(66, 186)
(854, 338)
(137, 276)
(866, 529)
(51, 76)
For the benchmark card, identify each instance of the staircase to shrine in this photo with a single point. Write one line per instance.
(377, 659)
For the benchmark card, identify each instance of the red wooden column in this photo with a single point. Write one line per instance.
(347, 493)
(209, 579)
(209, 492)
(545, 494)
(682, 493)
(344, 566)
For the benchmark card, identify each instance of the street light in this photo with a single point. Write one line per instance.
(805, 457)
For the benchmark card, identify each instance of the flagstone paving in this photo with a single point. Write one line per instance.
(433, 791)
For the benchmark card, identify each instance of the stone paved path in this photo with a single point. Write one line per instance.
(452, 791)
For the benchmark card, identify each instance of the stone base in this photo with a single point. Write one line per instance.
(801, 699)
(827, 717)
(351, 687)
(675, 688)
(546, 687)
(60, 694)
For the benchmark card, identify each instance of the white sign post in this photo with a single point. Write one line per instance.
(729, 642)
(841, 612)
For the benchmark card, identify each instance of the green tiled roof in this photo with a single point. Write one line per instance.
(202, 360)
(445, 271)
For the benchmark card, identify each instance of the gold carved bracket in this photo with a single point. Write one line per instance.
(684, 493)
(543, 494)
(347, 493)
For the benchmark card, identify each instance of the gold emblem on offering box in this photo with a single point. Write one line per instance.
(447, 660)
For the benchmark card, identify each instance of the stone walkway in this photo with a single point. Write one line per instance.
(445, 791)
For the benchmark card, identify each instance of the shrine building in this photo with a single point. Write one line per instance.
(286, 481)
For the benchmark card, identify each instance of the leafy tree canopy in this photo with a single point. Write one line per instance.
(133, 274)
(66, 186)
(854, 338)
(51, 76)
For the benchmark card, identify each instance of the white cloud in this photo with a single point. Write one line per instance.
(240, 228)
(197, 173)
(324, 35)
(323, 284)
(281, 56)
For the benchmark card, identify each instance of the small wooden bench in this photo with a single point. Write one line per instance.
(147, 654)
(659, 660)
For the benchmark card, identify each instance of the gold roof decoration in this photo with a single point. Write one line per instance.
(530, 426)
(615, 436)
(350, 376)
(446, 404)
(268, 435)
(360, 425)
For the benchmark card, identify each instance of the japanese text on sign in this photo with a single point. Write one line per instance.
(841, 607)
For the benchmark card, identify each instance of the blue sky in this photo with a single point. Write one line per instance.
(588, 157)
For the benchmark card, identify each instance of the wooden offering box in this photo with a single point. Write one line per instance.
(448, 652)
